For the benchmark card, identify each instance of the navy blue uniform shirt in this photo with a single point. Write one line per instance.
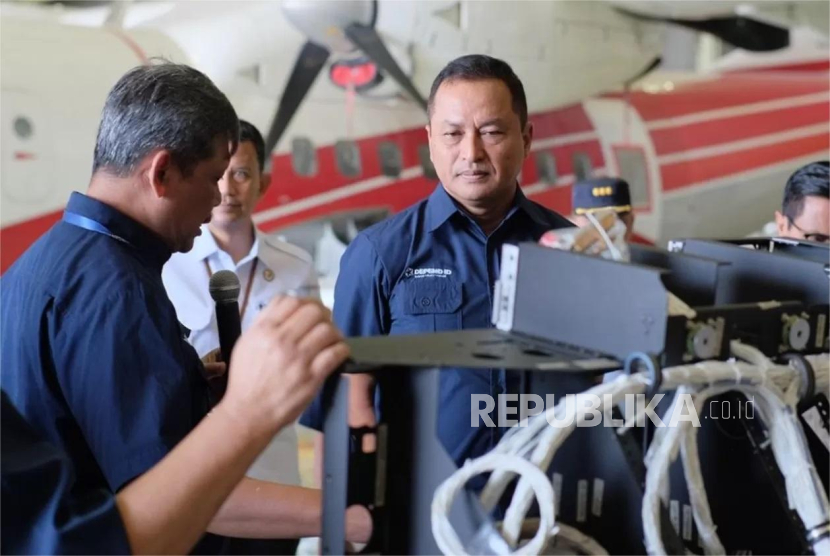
(431, 268)
(93, 356)
(39, 514)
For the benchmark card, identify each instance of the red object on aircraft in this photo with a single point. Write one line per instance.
(355, 74)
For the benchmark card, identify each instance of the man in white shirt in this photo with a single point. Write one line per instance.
(265, 266)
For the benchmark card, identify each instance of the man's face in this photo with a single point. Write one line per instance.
(193, 197)
(812, 224)
(242, 185)
(476, 142)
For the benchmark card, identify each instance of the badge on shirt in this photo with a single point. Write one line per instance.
(268, 274)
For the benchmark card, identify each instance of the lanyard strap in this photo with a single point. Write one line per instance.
(247, 295)
(92, 225)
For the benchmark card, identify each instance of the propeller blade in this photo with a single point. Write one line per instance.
(309, 62)
(645, 71)
(372, 45)
(737, 30)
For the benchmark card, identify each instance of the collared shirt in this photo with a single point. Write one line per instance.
(40, 513)
(281, 268)
(431, 268)
(93, 356)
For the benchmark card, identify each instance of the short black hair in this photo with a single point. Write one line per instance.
(812, 180)
(247, 132)
(162, 106)
(474, 67)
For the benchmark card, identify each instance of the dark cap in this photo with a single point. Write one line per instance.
(601, 193)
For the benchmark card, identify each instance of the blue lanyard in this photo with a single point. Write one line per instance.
(92, 225)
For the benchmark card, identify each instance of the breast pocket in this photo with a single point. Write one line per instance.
(430, 305)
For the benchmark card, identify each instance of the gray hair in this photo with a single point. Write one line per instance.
(162, 106)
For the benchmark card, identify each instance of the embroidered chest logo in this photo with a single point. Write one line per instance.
(427, 272)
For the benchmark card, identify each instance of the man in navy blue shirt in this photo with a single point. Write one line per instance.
(278, 365)
(93, 356)
(432, 267)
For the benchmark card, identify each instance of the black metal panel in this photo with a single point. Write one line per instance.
(692, 279)
(417, 463)
(811, 250)
(335, 465)
(476, 349)
(754, 275)
(615, 308)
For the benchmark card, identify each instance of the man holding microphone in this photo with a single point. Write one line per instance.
(93, 356)
(277, 367)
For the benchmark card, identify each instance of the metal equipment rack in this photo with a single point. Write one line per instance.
(612, 309)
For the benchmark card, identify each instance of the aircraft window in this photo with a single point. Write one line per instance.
(23, 127)
(391, 161)
(348, 158)
(303, 157)
(632, 165)
(546, 168)
(426, 163)
(582, 166)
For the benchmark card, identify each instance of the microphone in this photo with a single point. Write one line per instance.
(224, 289)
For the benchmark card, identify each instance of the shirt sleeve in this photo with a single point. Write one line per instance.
(360, 304)
(43, 510)
(132, 383)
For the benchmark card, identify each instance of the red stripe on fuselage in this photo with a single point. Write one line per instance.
(734, 91)
(681, 174)
(737, 128)
(289, 187)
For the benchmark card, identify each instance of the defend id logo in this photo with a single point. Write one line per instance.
(427, 272)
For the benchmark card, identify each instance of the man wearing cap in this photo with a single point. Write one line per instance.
(597, 194)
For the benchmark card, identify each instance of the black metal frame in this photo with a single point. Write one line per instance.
(551, 357)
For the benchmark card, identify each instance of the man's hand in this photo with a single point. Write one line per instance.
(281, 361)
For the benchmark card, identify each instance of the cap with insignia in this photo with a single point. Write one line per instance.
(601, 193)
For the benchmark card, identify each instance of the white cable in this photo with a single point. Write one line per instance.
(662, 452)
(445, 535)
(538, 442)
(615, 253)
(804, 488)
(579, 540)
(553, 437)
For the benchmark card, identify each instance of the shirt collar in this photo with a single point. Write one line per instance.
(440, 207)
(534, 211)
(141, 238)
(205, 245)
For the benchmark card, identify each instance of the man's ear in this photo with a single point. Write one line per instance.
(782, 224)
(264, 184)
(160, 171)
(527, 137)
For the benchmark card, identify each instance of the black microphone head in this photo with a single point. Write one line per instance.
(224, 286)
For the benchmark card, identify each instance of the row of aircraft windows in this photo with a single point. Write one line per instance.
(348, 160)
